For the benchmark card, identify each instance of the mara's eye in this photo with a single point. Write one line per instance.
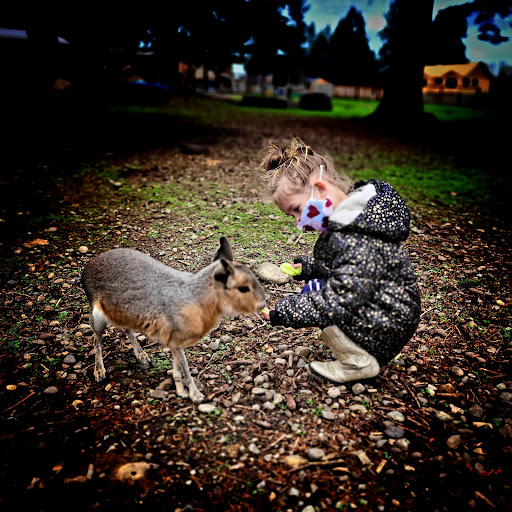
(243, 289)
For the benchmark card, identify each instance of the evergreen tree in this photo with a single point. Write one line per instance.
(448, 30)
(350, 59)
(317, 59)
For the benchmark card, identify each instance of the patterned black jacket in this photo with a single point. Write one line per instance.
(371, 291)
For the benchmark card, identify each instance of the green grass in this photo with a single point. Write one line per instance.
(447, 186)
(343, 108)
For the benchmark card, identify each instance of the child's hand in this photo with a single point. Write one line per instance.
(292, 269)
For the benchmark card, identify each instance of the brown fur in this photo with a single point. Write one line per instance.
(174, 307)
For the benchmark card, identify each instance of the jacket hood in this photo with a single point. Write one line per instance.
(374, 208)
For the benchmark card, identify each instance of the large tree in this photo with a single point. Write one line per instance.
(407, 38)
(317, 59)
(350, 59)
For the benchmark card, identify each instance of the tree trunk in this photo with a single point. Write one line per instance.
(402, 103)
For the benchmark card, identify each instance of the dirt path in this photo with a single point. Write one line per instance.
(432, 432)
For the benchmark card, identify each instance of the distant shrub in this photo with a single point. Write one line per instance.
(263, 102)
(315, 101)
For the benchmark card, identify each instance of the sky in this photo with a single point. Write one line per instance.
(329, 12)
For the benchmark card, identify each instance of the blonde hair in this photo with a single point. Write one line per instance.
(296, 163)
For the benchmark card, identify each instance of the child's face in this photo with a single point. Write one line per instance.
(290, 200)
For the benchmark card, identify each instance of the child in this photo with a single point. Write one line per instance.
(365, 296)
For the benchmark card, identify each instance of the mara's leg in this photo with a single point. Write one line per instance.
(176, 373)
(98, 324)
(194, 393)
(139, 352)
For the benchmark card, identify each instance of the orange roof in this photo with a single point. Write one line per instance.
(460, 69)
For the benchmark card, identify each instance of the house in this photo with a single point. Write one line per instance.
(461, 84)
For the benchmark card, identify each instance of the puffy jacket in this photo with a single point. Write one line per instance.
(371, 292)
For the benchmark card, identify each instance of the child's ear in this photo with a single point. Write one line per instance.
(321, 189)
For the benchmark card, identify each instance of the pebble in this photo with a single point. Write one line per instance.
(457, 371)
(506, 396)
(447, 388)
(206, 408)
(271, 273)
(396, 416)
(83, 249)
(69, 359)
(278, 398)
(358, 388)
(394, 432)
(315, 453)
(453, 442)
(165, 385)
(476, 411)
(303, 351)
(253, 449)
(327, 414)
(214, 345)
(258, 391)
(159, 394)
(403, 443)
(443, 417)
(51, 390)
(359, 408)
(333, 393)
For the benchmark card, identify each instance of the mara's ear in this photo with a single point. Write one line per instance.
(224, 251)
(224, 271)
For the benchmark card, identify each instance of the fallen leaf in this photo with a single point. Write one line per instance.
(36, 242)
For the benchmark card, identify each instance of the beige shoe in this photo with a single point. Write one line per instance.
(338, 372)
(352, 361)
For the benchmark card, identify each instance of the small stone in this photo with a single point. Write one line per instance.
(446, 388)
(214, 345)
(303, 351)
(358, 408)
(271, 273)
(258, 391)
(443, 417)
(315, 453)
(358, 388)
(83, 249)
(394, 432)
(457, 371)
(403, 443)
(51, 390)
(69, 359)
(308, 508)
(159, 394)
(254, 449)
(333, 392)
(207, 408)
(506, 396)
(278, 398)
(165, 385)
(327, 414)
(476, 411)
(453, 442)
(396, 416)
